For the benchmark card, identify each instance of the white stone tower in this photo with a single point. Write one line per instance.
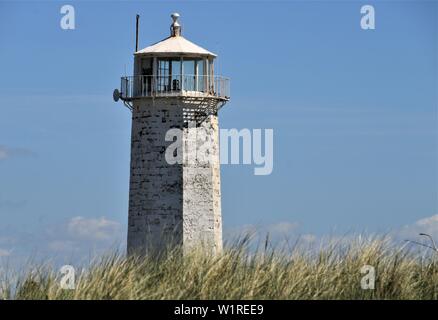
(174, 204)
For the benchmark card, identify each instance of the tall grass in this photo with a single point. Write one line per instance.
(331, 272)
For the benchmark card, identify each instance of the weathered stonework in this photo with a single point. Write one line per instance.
(173, 204)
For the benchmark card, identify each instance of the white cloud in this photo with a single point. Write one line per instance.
(93, 228)
(7, 152)
(62, 245)
(74, 240)
(282, 228)
(5, 253)
(411, 233)
(3, 153)
(427, 225)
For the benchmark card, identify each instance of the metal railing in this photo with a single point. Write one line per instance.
(174, 85)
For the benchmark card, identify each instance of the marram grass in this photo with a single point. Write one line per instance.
(331, 272)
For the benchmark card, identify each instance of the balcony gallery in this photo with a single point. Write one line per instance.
(179, 76)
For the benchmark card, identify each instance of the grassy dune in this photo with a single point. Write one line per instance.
(332, 272)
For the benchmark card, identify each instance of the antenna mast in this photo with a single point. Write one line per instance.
(136, 32)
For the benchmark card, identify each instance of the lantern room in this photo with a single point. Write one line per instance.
(174, 66)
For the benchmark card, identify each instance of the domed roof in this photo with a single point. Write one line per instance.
(175, 45)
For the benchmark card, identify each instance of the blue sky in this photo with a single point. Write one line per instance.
(354, 114)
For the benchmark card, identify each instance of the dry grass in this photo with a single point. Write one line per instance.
(332, 272)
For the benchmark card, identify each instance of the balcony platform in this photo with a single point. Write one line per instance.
(206, 87)
(200, 96)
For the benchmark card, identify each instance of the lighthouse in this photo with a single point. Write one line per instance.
(174, 90)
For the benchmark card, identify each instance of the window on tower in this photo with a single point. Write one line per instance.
(194, 75)
(176, 74)
(169, 75)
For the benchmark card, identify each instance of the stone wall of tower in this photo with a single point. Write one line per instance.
(201, 187)
(172, 204)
